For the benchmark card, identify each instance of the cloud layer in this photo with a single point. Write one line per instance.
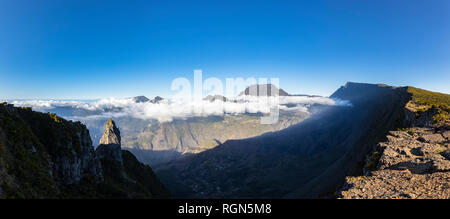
(168, 110)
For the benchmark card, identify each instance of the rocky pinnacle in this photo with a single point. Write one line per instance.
(111, 134)
(109, 147)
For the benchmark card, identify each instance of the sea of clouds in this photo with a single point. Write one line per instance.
(167, 110)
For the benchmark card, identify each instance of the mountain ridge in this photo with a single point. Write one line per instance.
(45, 156)
(387, 133)
(300, 156)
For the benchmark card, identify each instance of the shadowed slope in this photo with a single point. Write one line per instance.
(305, 160)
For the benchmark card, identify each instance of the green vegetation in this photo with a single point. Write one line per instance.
(440, 150)
(54, 117)
(425, 100)
(24, 158)
(408, 130)
(424, 97)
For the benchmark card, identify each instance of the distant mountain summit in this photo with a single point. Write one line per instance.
(140, 99)
(358, 91)
(212, 98)
(157, 99)
(264, 90)
(144, 99)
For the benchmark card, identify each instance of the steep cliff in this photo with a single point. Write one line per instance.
(42, 155)
(412, 161)
(45, 156)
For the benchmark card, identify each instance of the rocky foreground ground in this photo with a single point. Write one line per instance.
(412, 163)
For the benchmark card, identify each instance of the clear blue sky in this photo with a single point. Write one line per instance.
(96, 49)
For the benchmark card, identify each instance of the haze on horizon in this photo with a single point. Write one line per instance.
(88, 50)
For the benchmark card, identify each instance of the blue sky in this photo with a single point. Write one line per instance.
(97, 49)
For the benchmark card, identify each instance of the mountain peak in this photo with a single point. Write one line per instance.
(157, 99)
(212, 98)
(109, 147)
(353, 91)
(140, 99)
(264, 90)
(111, 134)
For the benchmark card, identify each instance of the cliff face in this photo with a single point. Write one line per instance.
(412, 161)
(69, 145)
(41, 154)
(45, 156)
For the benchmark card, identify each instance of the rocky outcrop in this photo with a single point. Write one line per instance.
(413, 118)
(73, 166)
(111, 135)
(412, 163)
(110, 147)
(45, 156)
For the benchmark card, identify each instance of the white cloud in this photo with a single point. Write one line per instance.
(169, 110)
